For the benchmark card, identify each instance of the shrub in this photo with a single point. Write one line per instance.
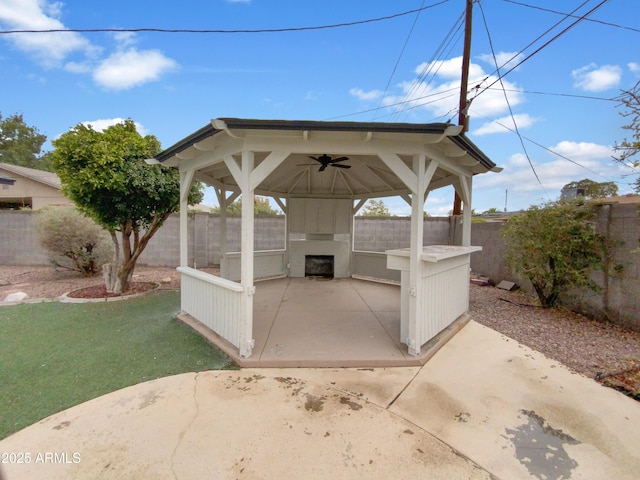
(73, 241)
(555, 246)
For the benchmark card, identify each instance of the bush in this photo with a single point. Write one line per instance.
(555, 246)
(73, 241)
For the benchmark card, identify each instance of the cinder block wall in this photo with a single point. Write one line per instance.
(616, 299)
(377, 234)
(19, 243)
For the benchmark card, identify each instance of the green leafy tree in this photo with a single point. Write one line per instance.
(555, 246)
(73, 240)
(105, 174)
(375, 208)
(492, 210)
(21, 144)
(592, 189)
(627, 150)
(261, 206)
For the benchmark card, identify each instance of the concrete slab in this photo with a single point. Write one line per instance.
(234, 425)
(519, 414)
(483, 407)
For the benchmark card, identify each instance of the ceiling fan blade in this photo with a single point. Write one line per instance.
(322, 167)
(340, 159)
(340, 166)
(314, 158)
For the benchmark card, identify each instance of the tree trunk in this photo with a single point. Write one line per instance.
(121, 270)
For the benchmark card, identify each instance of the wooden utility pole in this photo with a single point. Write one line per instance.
(464, 85)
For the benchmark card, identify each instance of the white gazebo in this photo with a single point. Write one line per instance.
(321, 174)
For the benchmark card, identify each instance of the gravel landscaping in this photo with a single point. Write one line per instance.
(595, 349)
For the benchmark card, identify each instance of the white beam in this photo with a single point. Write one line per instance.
(266, 167)
(359, 205)
(235, 171)
(399, 168)
(283, 204)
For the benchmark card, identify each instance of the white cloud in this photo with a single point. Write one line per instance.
(440, 96)
(594, 162)
(505, 124)
(634, 67)
(365, 96)
(592, 78)
(48, 48)
(312, 96)
(132, 68)
(505, 60)
(103, 123)
(121, 70)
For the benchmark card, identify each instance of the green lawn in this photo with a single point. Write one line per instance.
(55, 355)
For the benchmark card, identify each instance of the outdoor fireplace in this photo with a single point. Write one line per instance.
(318, 266)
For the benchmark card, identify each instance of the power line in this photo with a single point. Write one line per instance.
(570, 95)
(222, 31)
(506, 98)
(546, 44)
(395, 67)
(593, 20)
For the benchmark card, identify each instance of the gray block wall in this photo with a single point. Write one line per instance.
(377, 234)
(617, 298)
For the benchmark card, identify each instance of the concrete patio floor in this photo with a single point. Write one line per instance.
(327, 322)
(484, 407)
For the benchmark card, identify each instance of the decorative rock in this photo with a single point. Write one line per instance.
(506, 285)
(166, 280)
(16, 297)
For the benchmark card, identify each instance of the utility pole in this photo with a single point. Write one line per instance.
(463, 119)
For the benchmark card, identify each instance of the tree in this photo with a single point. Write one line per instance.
(261, 206)
(555, 246)
(492, 210)
(21, 144)
(628, 149)
(73, 240)
(589, 189)
(375, 208)
(105, 174)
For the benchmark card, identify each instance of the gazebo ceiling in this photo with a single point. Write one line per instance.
(365, 144)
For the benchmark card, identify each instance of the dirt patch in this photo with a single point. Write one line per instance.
(626, 382)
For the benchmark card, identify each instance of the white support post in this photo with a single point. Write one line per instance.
(465, 195)
(415, 263)
(186, 180)
(246, 255)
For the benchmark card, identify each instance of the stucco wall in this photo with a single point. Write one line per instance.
(25, 188)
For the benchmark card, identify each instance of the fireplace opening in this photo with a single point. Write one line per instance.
(318, 266)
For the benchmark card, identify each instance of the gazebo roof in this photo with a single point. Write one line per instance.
(299, 175)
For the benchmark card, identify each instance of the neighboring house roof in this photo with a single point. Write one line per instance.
(47, 178)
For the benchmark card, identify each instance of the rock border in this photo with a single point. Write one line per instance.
(65, 298)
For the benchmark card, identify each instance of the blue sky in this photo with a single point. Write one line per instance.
(404, 69)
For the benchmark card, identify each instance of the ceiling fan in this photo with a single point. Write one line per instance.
(326, 161)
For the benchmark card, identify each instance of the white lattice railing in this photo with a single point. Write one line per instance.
(213, 301)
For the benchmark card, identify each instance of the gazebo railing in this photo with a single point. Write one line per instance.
(213, 301)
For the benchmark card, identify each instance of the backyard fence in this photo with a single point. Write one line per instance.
(616, 300)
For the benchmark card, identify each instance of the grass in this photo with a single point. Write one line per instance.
(57, 355)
